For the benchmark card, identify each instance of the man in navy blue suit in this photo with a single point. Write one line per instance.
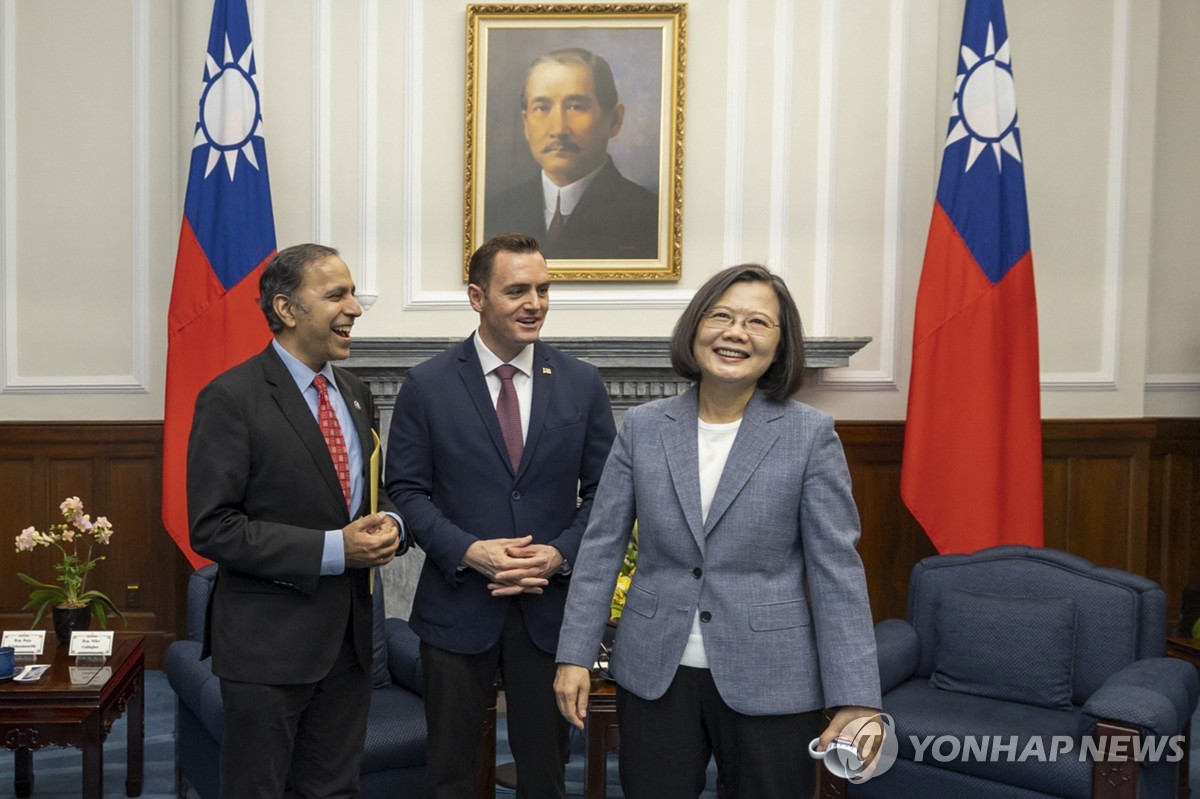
(494, 455)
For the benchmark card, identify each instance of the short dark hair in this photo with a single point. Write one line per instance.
(479, 268)
(284, 274)
(602, 75)
(785, 374)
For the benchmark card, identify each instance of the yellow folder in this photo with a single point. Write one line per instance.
(374, 474)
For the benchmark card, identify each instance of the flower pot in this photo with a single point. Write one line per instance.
(68, 619)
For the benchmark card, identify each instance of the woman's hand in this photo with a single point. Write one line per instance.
(572, 685)
(844, 716)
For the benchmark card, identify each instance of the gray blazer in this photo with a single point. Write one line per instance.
(773, 569)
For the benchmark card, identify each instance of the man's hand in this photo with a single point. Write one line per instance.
(572, 685)
(370, 541)
(531, 567)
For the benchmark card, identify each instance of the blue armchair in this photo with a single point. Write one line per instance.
(1013, 665)
(394, 757)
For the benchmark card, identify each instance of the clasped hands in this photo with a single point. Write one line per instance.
(513, 565)
(370, 541)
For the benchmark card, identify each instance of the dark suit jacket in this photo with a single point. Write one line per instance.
(262, 491)
(449, 473)
(615, 218)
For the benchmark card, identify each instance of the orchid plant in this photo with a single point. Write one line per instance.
(75, 538)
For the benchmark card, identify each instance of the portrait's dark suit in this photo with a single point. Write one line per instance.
(262, 491)
(449, 473)
(615, 218)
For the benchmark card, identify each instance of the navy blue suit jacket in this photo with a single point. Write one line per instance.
(449, 474)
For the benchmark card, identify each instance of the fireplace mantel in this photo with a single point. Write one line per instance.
(635, 370)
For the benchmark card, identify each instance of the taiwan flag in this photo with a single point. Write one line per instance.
(227, 236)
(972, 471)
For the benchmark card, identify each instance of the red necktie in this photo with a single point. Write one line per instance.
(557, 222)
(332, 431)
(508, 410)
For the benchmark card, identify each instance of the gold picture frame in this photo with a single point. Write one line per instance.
(615, 142)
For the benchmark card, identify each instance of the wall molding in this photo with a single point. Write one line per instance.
(368, 139)
(137, 382)
(827, 81)
(891, 265)
(1173, 381)
(781, 127)
(735, 128)
(1116, 216)
(322, 92)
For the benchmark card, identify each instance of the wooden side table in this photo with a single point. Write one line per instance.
(78, 709)
(603, 736)
(1185, 649)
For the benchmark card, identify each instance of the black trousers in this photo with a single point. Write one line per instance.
(666, 744)
(296, 740)
(458, 688)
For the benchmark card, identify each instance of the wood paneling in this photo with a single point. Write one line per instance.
(1121, 493)
(116, 469)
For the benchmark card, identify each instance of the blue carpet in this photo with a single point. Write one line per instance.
(57, 771)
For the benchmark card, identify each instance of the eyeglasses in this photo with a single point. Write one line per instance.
(754, 324)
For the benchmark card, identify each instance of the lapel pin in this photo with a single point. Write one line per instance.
(357, 406)
(546, 370)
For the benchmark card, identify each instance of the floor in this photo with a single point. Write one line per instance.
(57, 771)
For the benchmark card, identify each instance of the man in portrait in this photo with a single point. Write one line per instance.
(579, 205)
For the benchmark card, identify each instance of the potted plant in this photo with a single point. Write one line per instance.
(75, 538)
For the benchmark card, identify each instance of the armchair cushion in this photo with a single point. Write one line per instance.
(1156, 694)
(946, 724)
(1015, 648)
(404, 656)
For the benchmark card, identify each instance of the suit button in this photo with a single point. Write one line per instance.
(697, 572)
(705, 616)
(516, 495)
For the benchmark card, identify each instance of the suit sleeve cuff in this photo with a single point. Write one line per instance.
(333, 556)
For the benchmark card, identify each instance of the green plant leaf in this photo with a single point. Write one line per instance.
(1196, 629)
(25, 578)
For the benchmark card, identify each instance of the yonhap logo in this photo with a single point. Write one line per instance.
(866, 748)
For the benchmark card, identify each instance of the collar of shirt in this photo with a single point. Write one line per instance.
(570, 194)
(489, 360)
(300, 371)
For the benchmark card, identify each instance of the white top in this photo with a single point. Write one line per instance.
(713, 444)
(569, 195)
(522, 380)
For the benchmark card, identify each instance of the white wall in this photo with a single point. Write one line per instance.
(814, 133)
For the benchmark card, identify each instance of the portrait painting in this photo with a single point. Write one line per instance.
(574, 135)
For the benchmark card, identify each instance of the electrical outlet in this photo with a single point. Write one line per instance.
(133, 596)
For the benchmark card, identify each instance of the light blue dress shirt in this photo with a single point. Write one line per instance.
(333, 558)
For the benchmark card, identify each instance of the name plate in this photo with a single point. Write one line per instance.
(91, 644)
(84, 675)
(25, 642)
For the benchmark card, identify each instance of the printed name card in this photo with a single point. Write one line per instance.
(91, 644)
(25, 642)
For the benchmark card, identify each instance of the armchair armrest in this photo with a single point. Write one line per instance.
(899, 651)
(404, 655)
(1157, 694)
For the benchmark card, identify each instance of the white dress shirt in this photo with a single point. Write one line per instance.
(522, 380)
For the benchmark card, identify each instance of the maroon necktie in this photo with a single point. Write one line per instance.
(332, 431)
(508, 410)
(557, 222)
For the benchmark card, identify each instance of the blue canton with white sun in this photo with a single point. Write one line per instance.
(982, 185)
(228, 203)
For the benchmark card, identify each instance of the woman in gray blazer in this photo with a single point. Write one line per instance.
(748, 611)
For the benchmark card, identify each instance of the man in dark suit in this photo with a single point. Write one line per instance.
(579, 206)
(278, 496)
(494, 455)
